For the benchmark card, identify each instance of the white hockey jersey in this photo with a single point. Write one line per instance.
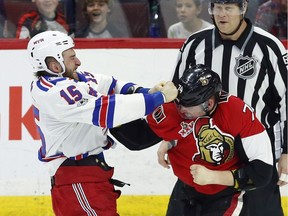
(73, 116)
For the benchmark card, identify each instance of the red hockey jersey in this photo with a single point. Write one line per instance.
(212, 140)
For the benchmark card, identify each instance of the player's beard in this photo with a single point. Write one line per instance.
(71, 74)
(75, 75)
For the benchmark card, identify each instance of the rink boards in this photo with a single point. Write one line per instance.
(24, 181)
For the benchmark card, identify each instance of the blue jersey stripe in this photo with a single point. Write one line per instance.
(112, 86)
(96, 112)
(40, 86)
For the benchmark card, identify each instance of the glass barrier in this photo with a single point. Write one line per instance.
(127, 18)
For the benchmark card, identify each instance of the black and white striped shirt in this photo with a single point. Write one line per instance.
(254, 68)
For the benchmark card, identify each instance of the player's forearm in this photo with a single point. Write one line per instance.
(204, 176)
(223, 178)
(114, 110)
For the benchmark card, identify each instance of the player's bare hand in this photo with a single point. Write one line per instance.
(157, 87)
(162, 153)
(283, 170)
(170, 91)
(201, 175)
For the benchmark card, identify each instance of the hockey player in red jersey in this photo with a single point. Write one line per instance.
(252, 65)
(221, 148)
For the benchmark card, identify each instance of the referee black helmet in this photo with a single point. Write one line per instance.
(241, 3)
(228, 1)
(197, 85)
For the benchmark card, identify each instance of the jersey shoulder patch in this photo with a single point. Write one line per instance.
(158, 114)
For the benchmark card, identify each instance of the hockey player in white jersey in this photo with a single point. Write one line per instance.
(73, 110)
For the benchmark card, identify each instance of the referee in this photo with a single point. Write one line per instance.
(253, 65)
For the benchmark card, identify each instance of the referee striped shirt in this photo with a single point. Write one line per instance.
(254, 68)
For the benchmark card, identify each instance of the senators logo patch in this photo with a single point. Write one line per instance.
(158, 114)
(245, 67)
(214, 146)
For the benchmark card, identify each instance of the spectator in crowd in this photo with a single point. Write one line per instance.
(188, 12)
(73, 110)
(45, 17)
(252, 64)
(272, 17)
(97, 23)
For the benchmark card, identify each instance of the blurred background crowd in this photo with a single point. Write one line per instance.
(126, 18)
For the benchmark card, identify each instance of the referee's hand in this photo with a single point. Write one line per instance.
(283, 170)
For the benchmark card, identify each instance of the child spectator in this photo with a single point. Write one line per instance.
(97, 25)
(45, 17)
(272, 17)
(188, 12)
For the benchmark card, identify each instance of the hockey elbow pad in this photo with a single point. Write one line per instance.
(135, 135)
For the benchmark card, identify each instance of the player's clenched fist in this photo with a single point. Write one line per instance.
(169, 91)
(157, 87)
(201, 174)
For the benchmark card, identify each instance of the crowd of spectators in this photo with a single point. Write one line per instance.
(125, 18)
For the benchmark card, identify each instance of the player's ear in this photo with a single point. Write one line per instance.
(245, 7)
(211, 103)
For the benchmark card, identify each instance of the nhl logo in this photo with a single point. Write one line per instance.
(245, 67)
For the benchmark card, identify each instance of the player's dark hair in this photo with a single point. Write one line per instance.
(38, 74)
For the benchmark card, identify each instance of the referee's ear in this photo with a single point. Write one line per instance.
(245, 7)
